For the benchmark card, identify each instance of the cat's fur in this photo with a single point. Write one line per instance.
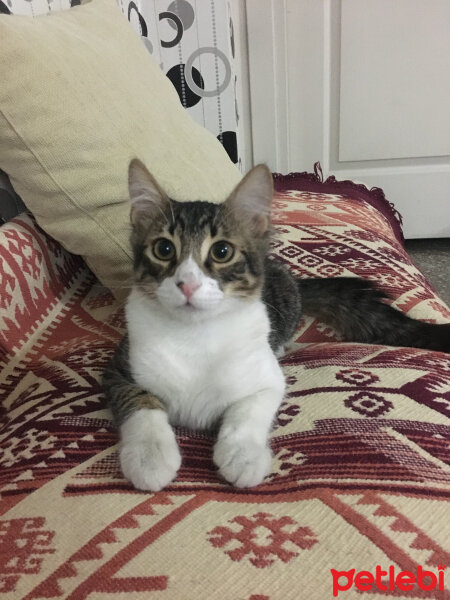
(203, 335)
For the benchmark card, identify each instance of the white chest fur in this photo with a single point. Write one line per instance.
(198, 368)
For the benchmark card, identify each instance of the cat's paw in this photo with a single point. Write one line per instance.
(244, 464)
(149, 453)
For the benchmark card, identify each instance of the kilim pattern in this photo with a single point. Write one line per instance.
(360, 474)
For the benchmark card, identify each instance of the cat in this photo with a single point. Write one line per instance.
(207, 317)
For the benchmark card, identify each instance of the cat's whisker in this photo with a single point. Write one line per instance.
(106, 286)
(171, 211)
(163, 213)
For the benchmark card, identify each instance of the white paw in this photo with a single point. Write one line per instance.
(244, 463)
(149, 454)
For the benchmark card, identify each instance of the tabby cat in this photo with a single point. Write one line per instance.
(208, 314)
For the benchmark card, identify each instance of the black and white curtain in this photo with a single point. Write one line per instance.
(193, 42)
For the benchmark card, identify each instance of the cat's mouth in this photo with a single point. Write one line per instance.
(187, 306)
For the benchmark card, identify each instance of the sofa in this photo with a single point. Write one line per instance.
(359, 479)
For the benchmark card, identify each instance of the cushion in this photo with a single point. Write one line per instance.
(80, 96)
(359, 475)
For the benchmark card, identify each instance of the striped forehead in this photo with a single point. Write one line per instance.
(195, 218)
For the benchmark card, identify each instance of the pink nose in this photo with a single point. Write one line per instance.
(188, 288)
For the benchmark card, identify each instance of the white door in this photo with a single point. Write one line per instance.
(364, 87)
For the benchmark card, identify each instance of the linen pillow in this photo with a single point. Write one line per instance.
(80, 96)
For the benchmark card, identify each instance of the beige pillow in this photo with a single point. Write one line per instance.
(80, 96)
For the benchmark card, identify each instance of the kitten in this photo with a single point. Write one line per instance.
(207, 316)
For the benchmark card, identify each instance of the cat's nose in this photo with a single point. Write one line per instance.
(188, 288)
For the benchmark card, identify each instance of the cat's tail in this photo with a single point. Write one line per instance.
(357, 309)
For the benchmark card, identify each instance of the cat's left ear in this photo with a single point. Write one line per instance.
(147, 198)
(251, 200)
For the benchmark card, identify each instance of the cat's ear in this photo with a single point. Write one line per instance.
(251, 200)
(147, 198)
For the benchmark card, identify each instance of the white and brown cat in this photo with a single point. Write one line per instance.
(207, 317)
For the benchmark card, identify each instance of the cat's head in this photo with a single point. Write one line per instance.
(200, 258)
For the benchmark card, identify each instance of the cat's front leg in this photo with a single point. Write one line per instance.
(149, 453)
(242, 452)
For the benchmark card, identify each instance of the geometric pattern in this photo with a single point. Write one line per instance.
(360, 474)
(262, 538)
(23, 546)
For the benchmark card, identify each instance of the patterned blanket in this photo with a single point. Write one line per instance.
(360, 475)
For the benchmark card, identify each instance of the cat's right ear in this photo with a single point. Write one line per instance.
(147, 198)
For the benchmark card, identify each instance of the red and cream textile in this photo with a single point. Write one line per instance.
(360, 472)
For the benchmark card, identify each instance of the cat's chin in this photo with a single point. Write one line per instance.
(190, 309)
(191, 312)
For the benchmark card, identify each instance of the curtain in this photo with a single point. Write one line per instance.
(193, 43)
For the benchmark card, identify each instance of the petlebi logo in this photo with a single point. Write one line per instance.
(389, 580)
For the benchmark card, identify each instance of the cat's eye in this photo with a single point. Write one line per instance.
(222, 251)
(163, 249)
